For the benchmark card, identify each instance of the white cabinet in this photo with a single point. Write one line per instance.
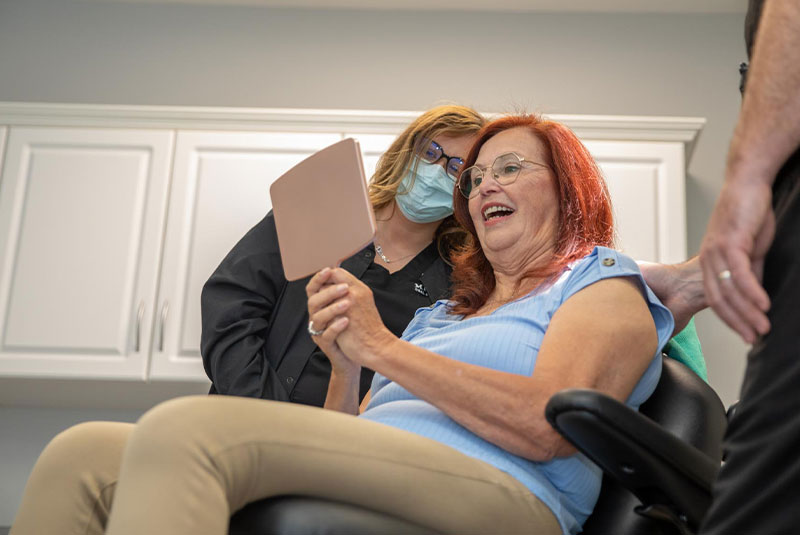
(220, 189)
(646, 183)
(104, 256)
(81, 217)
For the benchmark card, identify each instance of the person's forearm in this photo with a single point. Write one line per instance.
(239, 372)
(768, 131)
(503, 408)
(507, 409)
(343, 392)
(679, 287)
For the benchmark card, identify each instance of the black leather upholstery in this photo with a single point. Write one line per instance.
(667, 455)
(297, 515)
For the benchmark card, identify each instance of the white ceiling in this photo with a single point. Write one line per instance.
(585, 6)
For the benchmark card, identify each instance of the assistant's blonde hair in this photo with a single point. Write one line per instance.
(448, 120)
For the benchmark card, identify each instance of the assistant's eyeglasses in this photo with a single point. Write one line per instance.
(430, 151)
(505, 170)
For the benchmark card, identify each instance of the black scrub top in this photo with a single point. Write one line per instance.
(397, 296)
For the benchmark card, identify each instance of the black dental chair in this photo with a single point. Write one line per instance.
(658, 466)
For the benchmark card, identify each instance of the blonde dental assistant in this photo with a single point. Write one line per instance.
(255, 340)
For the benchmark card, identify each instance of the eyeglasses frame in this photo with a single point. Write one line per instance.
(439, 148)
(494, 175)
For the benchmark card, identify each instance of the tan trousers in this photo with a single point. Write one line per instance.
(188, 463)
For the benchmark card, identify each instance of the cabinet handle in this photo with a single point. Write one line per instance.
(164, 311)
(139, 317)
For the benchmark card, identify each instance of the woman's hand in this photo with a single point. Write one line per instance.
(365, 331)
(344, 307)
(679, 287)
(327, 301)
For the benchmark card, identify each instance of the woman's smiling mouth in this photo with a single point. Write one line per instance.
(495, 212)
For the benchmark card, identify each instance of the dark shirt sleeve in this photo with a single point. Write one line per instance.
(237, 302)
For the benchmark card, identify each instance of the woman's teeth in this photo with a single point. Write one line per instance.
(496, 211)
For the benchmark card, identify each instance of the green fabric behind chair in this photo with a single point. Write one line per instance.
(685, 348)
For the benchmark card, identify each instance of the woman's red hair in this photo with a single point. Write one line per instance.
(585, 214)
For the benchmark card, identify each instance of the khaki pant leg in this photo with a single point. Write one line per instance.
(70, 489)
(191, 462)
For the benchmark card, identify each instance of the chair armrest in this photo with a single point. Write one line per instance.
(656, 466)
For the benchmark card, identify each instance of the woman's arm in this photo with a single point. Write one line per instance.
(343, 393)
(603, 337)
(236, 304)
(679, 287)
(344, 383)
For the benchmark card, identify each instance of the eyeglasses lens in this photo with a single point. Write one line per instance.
(454, 166)
(429, 150)
(505, 170)
(470, 180)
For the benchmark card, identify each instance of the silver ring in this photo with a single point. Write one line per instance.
(311, 330)
(724, 275)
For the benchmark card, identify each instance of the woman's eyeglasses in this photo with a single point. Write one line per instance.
(505, 170)
(430, 151)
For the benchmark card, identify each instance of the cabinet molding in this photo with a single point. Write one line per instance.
(599, 127)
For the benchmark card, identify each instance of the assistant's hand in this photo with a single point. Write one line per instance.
(738, 236)
(679, 287)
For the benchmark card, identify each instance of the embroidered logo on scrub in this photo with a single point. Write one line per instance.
(420, 289)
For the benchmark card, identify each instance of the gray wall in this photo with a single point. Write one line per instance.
(653, 64)
(25, 432)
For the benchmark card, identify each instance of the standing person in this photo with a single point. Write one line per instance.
(754, 236)
(255, 339)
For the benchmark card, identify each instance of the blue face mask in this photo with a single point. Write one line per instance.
(426, 193)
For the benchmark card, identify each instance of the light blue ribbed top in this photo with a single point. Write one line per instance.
(508, 340)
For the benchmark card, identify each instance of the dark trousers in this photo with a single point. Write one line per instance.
(758, 489)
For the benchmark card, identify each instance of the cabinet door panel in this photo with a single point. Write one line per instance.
(220, 190)
(646, 183)
(80, 218)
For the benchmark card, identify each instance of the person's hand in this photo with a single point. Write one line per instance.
(343, 308)
(365, 333)
(326, 304)
(732, 256)
(679, 287)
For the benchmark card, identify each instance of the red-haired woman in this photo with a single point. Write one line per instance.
(454, 437)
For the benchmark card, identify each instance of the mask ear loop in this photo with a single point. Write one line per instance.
(743, 76)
